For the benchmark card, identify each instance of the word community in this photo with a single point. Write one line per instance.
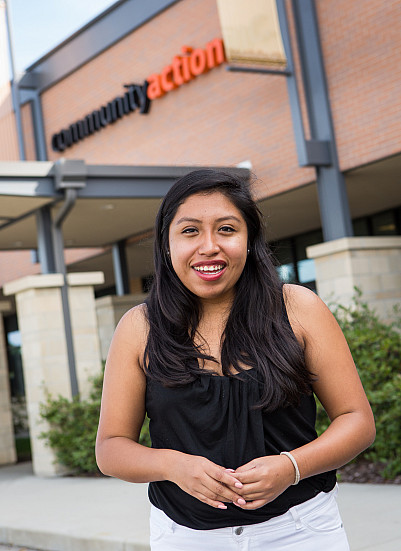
(138, 97)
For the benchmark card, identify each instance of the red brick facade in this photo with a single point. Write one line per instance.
(222, 117)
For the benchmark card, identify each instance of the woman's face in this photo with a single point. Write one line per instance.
(208, 241)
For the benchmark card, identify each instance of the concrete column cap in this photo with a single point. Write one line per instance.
(43, 281)
(353, 244)
(110, 300)
(85, 278)
(39, 281)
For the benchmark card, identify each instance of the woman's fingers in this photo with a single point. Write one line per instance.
(206, 481)
(221, 489)
(251, 505)
(263, 480)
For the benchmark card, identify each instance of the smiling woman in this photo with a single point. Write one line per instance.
(208, 246)
(225, 361)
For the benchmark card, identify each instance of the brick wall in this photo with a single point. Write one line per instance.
(223, 118)
(361, 42)
(27, 129)
(219, 118)
(8, 130)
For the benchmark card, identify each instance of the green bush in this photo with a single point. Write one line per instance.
(72, 426)
(376, 349)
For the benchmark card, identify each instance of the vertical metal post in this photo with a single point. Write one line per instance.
(120, 266)
(292, 87)
(333, 201)
(70, 176)
(14, 87)
(58, 241)
(38, 127)
(45, 241)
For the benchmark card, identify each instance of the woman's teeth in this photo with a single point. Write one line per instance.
(209, 269)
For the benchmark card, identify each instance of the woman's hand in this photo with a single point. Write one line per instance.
(203, 479)
(264, 479)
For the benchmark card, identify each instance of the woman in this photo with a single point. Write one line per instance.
(225, 361)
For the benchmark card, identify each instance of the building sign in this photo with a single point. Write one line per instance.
(137, 97)
(251, 32)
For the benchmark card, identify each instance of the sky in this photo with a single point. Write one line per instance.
(39, 25)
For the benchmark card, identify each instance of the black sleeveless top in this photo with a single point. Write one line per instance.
(213, 417)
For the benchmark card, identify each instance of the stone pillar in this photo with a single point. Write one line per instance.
(44, 349)
(84, 327)
(373, 264)
(7, 441)
(110, 310)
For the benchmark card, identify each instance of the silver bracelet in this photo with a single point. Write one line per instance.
(295, 464)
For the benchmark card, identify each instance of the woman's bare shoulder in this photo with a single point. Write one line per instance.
(306, 311)
(298, 297)
(135, 317)
(308, 314)
(133, 328)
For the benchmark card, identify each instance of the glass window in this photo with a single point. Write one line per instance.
(13, 338)
(306, 270)
(284, 255)
(287, 273)
(306, 240)
(283, 251)
(361, 227)
(384, 223)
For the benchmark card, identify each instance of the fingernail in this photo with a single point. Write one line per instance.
(241, 501)
(229, 471)
(221, 506)
(238, 484)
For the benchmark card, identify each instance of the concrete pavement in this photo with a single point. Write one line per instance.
(99, 514)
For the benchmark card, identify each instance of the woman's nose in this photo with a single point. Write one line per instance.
(209, 244)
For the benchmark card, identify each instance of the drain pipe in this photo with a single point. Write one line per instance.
(70, 176)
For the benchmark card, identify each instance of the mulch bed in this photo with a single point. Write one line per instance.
(365, 472)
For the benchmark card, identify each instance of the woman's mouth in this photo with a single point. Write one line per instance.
(210, 272)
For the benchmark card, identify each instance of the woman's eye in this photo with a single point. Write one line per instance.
(228, 229)
(189, 230)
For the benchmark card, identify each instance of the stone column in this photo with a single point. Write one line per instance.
(7, 441)
(373, 264)
(84, 327)
(110, 310)
(44, 349)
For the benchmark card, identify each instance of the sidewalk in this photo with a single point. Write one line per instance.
(99, 514)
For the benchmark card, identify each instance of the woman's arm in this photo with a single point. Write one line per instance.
(340, 391)
(118, 452)
(123, 406)
(338, 387)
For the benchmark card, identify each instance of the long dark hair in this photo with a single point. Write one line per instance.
(257, 333)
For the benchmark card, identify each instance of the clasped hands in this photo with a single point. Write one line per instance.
(249, 487)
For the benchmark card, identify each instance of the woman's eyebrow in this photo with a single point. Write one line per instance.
(188, 219)
(195, 220)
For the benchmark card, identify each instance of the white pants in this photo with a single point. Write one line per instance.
(312, 526)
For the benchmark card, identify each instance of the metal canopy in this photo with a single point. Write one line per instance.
(113, 202)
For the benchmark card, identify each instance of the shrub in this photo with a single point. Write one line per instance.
(72, 426)
(376, 349)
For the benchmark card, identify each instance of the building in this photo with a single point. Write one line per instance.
(109, 118)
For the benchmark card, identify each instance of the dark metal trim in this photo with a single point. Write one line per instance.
(318, 152)
(120, 267)
(292, 86)
(244, 69)
(98, 35)
(45, 241)
(33, 97)
(333, 200)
